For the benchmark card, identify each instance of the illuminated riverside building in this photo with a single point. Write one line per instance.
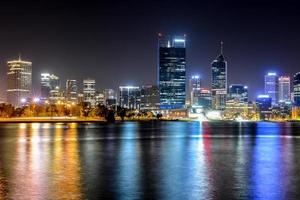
(89, 92)
(99, 98)
(284, 88)
(110, 97)
(149, 97)
(19, 81)
(219, 81)
(272, 86)
(129, 97)
(50, 85)
(71, 90)
(264, 106)
(172, 71)
(204, 98)
(194, 90)
(296, 96)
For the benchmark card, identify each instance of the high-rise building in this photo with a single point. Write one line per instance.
(19, 77)
(238, 93)
(296, 89)
(130, 97)
(219, 81)
(49, 84)
(71, 90)
(271, 86)
(284, 92)
(89, 91)
(110, 97)
(264, 106)
(172, 71)
(204, 98)
(149, 97)
(194, 90)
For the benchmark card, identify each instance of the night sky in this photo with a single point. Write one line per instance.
(115, 42)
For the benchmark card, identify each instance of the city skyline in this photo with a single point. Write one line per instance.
(71, 45)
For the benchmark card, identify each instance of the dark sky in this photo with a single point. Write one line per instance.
(115, 42)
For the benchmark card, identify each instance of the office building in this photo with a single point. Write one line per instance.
(219, 81)
(238, 93)
(204, 99)
(172, 71)
(129, 97)
(264, 106)
(50, 83)
(271, 86)
(296, 89)
(110, 97)
(149, 97)
(19, 81)
(89, 91)
(194, 90)
(71, 91)
(284, 88)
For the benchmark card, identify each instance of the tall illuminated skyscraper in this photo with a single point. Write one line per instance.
(296, 89)
(49, 84)
(219, 81)
(284, 92)
(89, 91)
(172, 71)
(130, 97)
(71, 90)
(19, 81)
(271, 86)
(194, 90)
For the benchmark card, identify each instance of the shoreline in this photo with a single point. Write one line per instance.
(90, 120)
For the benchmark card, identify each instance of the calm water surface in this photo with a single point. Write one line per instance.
(150, 160)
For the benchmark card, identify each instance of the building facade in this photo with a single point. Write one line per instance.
(284, 88)
(272, 86)
(172, 72)
(296, 89)
(89, 91)
(50, 85)
(150, 97)
(71, 91)
(194, 90)
(19, 81)
(219, 81)
(264, 106)
(238, 93)
(129, 97)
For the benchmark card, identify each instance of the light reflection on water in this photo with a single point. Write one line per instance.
(157, 160)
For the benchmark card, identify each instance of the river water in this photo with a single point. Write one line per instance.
(150, 160)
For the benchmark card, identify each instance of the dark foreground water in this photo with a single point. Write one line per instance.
(150, 160)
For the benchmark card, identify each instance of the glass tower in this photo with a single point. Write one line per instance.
(271, 86)
(71, 90)
(49, 84)
(284, 88)
(238, 93)
(19, 78)
(297, 89)
(219, 81)
(172, 72)
(130, 97)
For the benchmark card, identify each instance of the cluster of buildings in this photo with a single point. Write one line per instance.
(174, 95)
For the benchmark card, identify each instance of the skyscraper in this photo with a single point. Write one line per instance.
(264, 106)
(110, 97)
(194, 90)
(71, 90)
(19, 78)
(219, 81)
(89, 91)
(271, 86)
(172, 71)
(49, 84)
(284, 92)
(238, 93)
(297, 89)
(130, 97)
(149, 97)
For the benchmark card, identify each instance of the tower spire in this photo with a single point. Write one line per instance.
(222, 47)
(19, 56)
